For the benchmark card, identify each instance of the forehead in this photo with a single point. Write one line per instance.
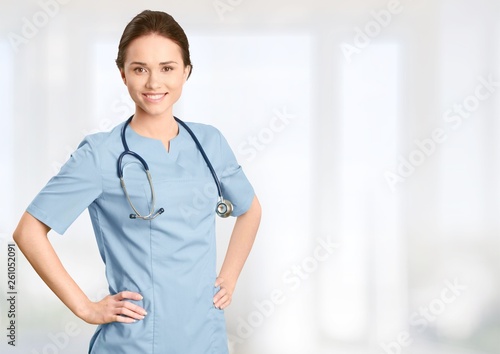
(153, 48)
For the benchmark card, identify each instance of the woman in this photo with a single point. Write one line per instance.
(157, 236)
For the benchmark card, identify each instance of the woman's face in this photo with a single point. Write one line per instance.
(154, 73)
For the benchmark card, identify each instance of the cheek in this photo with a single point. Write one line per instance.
(134, 84)
(134, 93)
(177, 82)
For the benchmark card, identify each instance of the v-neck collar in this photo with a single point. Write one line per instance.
(175, 143)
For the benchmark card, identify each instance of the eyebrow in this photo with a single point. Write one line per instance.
(162, 63)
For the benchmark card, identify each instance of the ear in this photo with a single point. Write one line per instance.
(122, 74)
(187, 72)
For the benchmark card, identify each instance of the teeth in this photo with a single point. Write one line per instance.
(155, 97)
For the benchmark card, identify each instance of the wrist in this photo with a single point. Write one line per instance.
(83, 309)
(227, 282)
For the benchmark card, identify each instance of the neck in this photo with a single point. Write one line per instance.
(162, 128)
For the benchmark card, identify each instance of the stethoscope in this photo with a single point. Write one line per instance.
(224, 207)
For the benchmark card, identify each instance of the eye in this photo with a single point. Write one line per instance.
(139, 70)
(167, 68)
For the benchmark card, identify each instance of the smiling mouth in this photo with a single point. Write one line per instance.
(155, 96)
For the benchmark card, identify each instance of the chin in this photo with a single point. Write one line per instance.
(158, 112)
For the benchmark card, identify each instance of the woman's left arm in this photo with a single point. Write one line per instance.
(240, 244)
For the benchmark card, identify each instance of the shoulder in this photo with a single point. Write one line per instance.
(103, 140)
(214, 143)
(203, 129)
(206, 134)
(95, 149)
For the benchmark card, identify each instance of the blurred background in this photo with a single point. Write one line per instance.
(369, 130)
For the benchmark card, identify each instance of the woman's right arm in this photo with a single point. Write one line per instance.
(31, 238)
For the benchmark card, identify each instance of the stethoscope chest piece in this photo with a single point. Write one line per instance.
(224, 208)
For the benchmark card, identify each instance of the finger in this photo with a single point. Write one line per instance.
(223, 302)
(128, 295)
(221, 299)
(219, 294)
(218, 281)
(123, 319)
(132, 307)
(131, 314)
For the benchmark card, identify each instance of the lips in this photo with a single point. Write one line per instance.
(154, 97)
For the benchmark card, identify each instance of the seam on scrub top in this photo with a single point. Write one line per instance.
(98, 331)
(102, 196)
(153, 309)
(103, 241)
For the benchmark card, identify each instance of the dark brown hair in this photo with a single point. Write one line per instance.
(154, 22)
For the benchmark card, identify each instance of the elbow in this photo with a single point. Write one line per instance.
(15, 236)
(18, 234)
(27, 228)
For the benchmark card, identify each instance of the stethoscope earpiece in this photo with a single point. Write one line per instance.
(224, 208)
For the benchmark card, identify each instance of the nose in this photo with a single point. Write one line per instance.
(153, 82)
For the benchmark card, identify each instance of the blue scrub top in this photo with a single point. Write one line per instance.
(170, 260)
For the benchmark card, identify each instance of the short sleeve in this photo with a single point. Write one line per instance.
(71, 191)
(235, 185)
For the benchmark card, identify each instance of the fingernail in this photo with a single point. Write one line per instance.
(145, 313)
(141, 297)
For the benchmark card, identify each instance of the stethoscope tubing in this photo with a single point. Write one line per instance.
(205, 157)
(224, 207)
